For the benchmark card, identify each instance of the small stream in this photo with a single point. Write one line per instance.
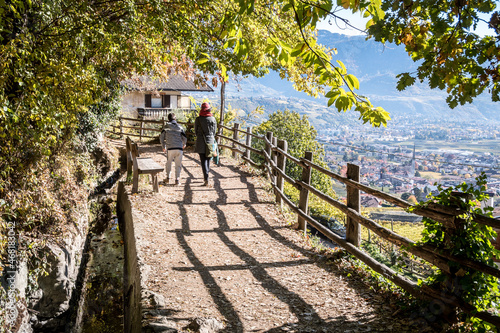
(100, 305)
(102, 291)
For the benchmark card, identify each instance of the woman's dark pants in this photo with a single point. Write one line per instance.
(205, 165)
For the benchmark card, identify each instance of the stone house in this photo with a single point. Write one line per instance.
(155, 99)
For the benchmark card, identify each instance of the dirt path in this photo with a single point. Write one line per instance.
(226, 252)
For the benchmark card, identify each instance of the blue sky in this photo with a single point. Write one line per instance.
(354, 19)
(360, 22)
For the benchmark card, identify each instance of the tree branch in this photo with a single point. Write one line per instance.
(321, 58)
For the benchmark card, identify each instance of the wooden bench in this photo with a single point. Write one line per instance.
(140, 165)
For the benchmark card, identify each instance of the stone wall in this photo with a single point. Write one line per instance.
(132, 279)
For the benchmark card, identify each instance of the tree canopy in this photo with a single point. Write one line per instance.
(59, 57)
(440, 36)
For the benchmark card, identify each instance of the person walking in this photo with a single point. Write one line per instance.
(205, 128)
(173, 140)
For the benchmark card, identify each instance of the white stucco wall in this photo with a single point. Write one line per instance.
(173, 101)
(130, 102)
(184, 102)
(135, 99)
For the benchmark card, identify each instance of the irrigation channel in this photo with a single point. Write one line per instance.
(100, 282)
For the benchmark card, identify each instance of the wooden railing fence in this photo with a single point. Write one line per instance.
(411, 265)
(144, 128)
(275, 157)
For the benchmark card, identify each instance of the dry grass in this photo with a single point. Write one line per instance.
(409, 230)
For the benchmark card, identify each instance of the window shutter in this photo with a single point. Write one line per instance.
(166, 101)
(147, 100)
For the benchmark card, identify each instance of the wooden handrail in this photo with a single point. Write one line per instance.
(257, 151)
(288, 156)
(255, 136)
(255, 165)
(143, 120)
(225, 127)
(143, 136)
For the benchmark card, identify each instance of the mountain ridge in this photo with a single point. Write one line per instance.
(376, 67)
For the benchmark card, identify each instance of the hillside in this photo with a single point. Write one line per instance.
(376, 66)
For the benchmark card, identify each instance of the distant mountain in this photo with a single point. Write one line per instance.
(376, 67)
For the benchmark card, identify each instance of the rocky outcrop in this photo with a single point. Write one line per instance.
(52, 306)
(206, 325)
(55, 294)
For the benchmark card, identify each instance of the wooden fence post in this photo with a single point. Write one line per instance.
(236, 128)
(274, 158)
(274, 155)
(269, 136)
(141, 131)
(392, 229)
(248, 141)
(121, 127)
(281, 163)
(304, 192)
(353, 231)
(128, 145)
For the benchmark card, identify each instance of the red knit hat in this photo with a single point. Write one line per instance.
(205, 107)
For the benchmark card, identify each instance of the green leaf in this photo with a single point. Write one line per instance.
(299, 49)
(331, 101)
(352, 81)
(202, 61)
(223, 71)
(286, 7)
(342, 68)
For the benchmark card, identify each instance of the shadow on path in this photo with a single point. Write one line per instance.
(305, 313)
(300, 308)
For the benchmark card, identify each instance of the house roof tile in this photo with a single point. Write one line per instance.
(174, 83)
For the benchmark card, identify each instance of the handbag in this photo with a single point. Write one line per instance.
(212, 149)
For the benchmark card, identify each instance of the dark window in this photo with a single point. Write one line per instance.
(166, 101)
(147, 100)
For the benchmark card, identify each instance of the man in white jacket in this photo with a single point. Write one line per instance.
(173, 140)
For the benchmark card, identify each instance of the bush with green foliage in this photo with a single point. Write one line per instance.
(472, 241)
(301, 137)
(93, 122)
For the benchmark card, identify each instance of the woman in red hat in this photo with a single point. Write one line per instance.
(205, 128)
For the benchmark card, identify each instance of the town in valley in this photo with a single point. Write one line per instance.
(409, 159)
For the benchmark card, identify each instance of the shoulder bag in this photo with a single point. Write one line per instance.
(212, 150)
